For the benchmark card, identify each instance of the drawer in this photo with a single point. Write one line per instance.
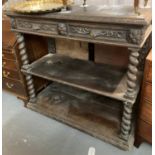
(145, 130)
(7, 50)
(146, 111)
(9, 64)
(94, 32)
(14, 86)
(37, 26)
(147, 91)
(8, 55)
(10, 74)
(74, 30)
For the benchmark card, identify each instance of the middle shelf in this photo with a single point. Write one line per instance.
(101, 79)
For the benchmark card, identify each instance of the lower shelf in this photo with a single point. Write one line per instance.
(94, 114)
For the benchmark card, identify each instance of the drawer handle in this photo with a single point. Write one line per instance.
(3, 55)
(6, 74)
(4, 63)
(9, 85)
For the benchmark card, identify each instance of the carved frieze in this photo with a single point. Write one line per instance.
(80, 30)
(111, 34)
(34, 26)
(24, 24)
(48, 27)
(114, 34)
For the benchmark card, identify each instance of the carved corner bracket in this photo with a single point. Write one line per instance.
(135, 36)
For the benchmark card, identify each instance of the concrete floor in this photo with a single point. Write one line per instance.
(29, 133)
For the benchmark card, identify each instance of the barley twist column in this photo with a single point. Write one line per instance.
(132, 73)
(25, 65)
(126, 120)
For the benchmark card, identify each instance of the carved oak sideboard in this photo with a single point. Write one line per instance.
(95, 98)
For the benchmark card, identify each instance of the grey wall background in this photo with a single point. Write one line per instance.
(102, 2)
(112, 2)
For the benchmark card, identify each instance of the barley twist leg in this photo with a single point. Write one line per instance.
(126, 120)
(25, 64)
(132, 74)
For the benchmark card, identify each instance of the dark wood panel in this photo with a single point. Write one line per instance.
(109, 55)
(8, 55)
(148, 69)
(8, 50)
(14, 86)
(72, 48)
(8, 37)
(144, 123)
(145, 130)
(98, 78)
(9, 64)
(146, 111)
(7, 73)
(36, 46)
(147, 91)
(149, 75)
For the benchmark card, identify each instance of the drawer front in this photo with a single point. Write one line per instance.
(145, 131)
(8, 55)
(147, 91)
(14, 86)
(10, 74)
(93, 32)
(146, 111)
(9, 64)
(37, 26)
(85, 31)
(74, 30)
(148, 72)
(8, 50)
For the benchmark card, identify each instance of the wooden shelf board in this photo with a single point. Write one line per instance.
(89, 112)
(102, 79)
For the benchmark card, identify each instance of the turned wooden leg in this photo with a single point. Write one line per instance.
(126, 121)
(130, 93)
(132, 73)
(25, 65)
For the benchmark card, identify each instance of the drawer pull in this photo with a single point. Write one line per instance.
(9, 85)
(3, 55)
(4, 63)
(6, 74)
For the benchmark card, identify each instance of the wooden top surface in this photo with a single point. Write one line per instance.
(101, 14)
